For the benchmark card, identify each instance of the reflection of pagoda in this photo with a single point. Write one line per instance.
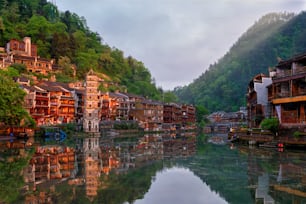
(91, 112)
(93, 164)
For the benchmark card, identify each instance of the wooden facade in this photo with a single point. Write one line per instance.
(288, 91)
(52, 103)
(257, 100)
(119, 106)
(172, 113)
(188, 114)
(37, 102)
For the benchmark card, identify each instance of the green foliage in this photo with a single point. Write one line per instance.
(11, 71)
(271, 124)
(11, 178)
(20, 68)
(223, 85)
(12, 112)
(201, 111)
(126, 125)
(129, 186)
(168, 97)
(297, 134)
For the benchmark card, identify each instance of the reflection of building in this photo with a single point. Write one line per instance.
(110, 157)
(278, 176)
(93, 163)
(149, 148)
(51, 162)
(42, 197)
(179, 147)
(262, 190)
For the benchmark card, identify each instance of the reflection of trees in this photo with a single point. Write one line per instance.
(224, 171)
(11, 178)
(231, 172)
(129, 186)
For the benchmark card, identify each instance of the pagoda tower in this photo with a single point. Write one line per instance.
(92, 98)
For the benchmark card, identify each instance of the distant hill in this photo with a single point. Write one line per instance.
(66, 38)
(223, 86)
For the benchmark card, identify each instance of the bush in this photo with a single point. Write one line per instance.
(271, 124)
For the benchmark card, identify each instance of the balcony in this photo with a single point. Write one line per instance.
(299, 69)
(282, 94)
(66, 105)
(290, 72)
(42, 105)
(42, 98)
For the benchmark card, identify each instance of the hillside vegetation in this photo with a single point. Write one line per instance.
(223, 86)
(65, 37)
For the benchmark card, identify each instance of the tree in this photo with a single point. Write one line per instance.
(169, 97)
(201, 111)
(12, 96)
(271, 124)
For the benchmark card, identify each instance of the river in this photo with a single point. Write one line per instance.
(149, 169)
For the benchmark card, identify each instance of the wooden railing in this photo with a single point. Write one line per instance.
(291, 72)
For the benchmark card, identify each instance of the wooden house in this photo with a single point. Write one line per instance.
(24, 52)
(37, 102)
(119, 106)
(149, 114)
(287, 94)
(188, 114)
(172, 113)
(257, 99)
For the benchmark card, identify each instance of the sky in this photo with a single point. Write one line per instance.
(176, 40)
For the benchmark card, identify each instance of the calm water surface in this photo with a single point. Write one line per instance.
(149, 169)
(179, 185)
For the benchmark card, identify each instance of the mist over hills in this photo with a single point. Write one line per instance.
(223, 85)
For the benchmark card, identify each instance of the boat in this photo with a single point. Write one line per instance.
(53, 134)
(269, 145)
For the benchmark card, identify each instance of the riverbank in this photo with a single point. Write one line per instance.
(265, 138)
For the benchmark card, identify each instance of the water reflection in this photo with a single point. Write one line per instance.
(144, 169)
(170, 187)
(277, 177)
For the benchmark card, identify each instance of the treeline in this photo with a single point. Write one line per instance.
(223, 86)
(65, 37)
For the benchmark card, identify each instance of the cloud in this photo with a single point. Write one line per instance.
(175, 39)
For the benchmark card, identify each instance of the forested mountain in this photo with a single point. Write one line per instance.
(223, 86)
(65, 37)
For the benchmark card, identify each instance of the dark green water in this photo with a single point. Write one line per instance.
(149, 170)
